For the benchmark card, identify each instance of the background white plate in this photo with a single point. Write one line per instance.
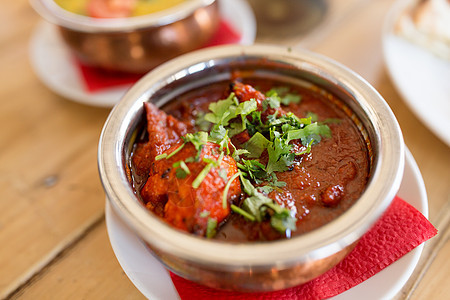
(422, 79)
(53, 62)
(153, 280)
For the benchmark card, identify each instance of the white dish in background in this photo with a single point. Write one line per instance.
(422, 79)
(54, 65)
(154, 282)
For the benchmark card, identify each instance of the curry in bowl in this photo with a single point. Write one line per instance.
(131, 36)
(250, 160)
(251, 168)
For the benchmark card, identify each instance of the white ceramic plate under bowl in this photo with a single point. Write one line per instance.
(54, 65)
(422, 79)
(153, 280)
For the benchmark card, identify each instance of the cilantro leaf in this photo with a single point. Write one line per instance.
(280, 156)
(223, 111)
(255, 207)
(220, 113)
(283, 221)
(308, 148)
(211, 228)
(246, 107)
(290, 98)
(167, 156)
(312, 115)
(283, 94)
(253, 170)
(182, 169)
(256, 145)
(203, 173)
(242, 212)
(227, 187)
(198, 139)
(255, 124)
(272, 100)
(313, 131)
(219, 135)
(200, 121)
(266, 189)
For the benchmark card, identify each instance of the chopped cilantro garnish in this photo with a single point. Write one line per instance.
(256, 124)
(246, 107)
(167, 156)
(282, 220)
(308, 148)
(227, 187)
(180, 173)
(315, 118)
(280, 90)
(272, 100)
(256, 145)
(253, 170)
(242, 212)
(161, 156)
(266, 189)
(280, 156)
(219, 135)
(220, 113)
(201, 123)
(313, 131)
(204, 214)
(198, 139)
(183, 169)
(199, 179)
(213, 162)
(284, 96)
(312, 115)
(211, 228)
(238, 152)
(223, 174)
(275, 182)
(256, 206)
(290, 98)
(268, 133)
(223, 111)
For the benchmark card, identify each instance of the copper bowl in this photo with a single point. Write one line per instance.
(134, 44)
(264, 266)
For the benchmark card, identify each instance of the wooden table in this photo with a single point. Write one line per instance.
(53, 236)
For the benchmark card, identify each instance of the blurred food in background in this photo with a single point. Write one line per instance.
(286, 18)
(427, 23)
(101, 35)
(116, 8)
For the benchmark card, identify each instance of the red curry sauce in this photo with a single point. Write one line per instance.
(319, 185)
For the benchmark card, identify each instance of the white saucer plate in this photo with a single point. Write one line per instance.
(153, 280)
(54, 65)
(421, 78)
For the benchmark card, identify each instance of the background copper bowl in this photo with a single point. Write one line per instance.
(134, 44)
(253, 266)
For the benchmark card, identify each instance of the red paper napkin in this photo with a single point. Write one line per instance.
(96, 79)
(400, 229)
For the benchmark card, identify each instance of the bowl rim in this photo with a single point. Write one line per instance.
(52, 12)
(317, 244)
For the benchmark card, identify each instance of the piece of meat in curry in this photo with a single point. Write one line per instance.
(171, 195)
